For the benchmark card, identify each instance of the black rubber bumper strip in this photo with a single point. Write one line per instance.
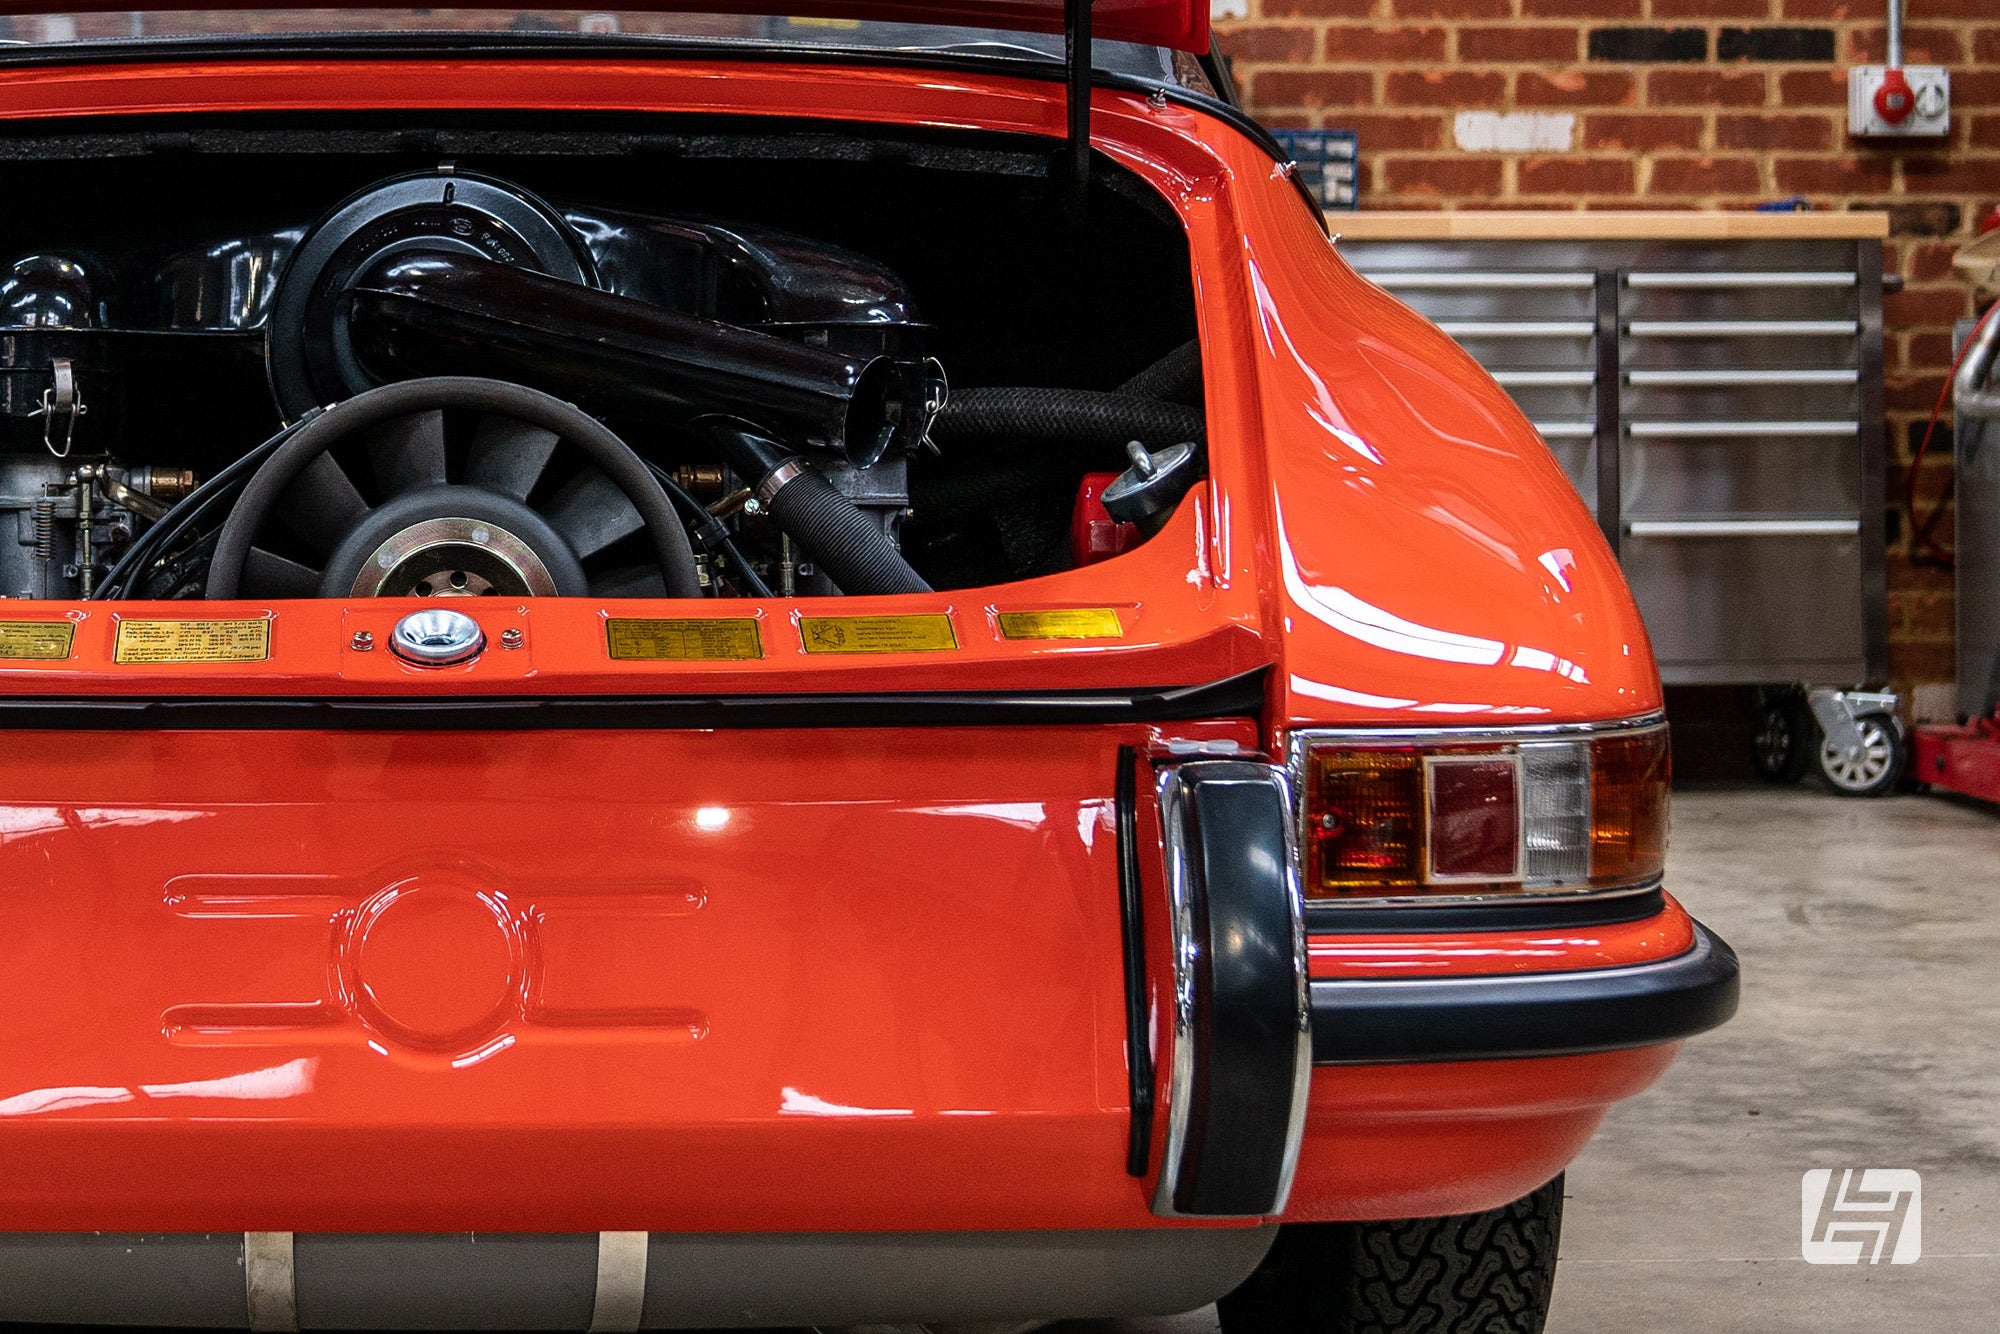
(1240, 1073)
(1235, 696)
(1132, 920)
(1554, 914)
(1516, 1015)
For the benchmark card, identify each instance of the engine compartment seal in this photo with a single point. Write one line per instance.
(1232, 697)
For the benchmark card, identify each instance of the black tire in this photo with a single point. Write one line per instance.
(1786, 744)
(1880, 766)
(1489, 1273)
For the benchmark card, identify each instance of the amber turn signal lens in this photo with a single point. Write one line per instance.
(1628, 807)
(1365, 832)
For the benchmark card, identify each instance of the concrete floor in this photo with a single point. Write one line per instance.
(1869, 1036)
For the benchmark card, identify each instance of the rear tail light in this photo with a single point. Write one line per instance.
(1446, 815)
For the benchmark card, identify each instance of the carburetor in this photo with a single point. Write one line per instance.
(69, 517)
(70, 511)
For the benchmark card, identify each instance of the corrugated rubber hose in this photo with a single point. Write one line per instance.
(1175, 377)
(849, 546)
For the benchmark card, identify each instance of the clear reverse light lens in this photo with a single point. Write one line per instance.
(1555, 813)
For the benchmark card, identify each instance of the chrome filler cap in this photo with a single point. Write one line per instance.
(436, 637)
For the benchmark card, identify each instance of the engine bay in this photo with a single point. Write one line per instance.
(312, 361)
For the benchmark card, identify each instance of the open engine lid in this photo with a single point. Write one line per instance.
(1180, 24)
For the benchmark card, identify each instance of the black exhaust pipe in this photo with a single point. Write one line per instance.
(432, 313)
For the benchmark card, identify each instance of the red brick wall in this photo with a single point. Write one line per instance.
(1676, 104)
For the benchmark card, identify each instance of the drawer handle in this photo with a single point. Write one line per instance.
(1446, 282)
(1691, 430)
(1739, 328)
(1566, 430)
(1518, 328)
(1740, 279)
(1564, 379)
(1743, 527)
(1693, 379)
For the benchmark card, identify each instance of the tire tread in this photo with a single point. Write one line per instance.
(1485, 1273)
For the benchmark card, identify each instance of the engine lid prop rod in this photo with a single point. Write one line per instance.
(1077, 67)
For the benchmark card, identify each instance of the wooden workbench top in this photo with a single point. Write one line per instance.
(1575, 226)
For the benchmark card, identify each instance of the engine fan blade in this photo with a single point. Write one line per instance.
(408, 452)
(508, 455)
(630, 581)
(269, 575)
(321, 504)
(591, 513)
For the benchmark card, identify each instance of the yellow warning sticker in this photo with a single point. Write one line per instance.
(696, 639)
(36, 640)
(193, 641)
(877, 634)
(1067, 623)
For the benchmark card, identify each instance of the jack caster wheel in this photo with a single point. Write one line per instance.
(1871, 768)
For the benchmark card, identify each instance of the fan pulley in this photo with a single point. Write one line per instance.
(445, 522)
(454, 541)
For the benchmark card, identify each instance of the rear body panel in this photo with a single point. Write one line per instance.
(558, 981)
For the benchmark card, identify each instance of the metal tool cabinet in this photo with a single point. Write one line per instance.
(1713, 386)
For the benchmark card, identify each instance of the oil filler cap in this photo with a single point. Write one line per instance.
(436, 637)
(1147, 492)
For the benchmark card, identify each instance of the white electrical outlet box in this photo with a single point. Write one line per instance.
(1930, 110)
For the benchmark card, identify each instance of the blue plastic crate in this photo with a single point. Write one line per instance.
(1327, 161)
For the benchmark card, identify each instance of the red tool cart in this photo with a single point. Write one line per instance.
(1966, 757)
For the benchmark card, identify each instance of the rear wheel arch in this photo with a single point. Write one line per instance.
(1492, 1271)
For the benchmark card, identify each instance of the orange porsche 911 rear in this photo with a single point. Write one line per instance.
(855, 681)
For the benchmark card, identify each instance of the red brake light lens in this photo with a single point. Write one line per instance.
(1475, 806)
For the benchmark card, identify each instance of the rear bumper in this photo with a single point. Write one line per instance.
(1457, 1093)
(1394, 1021)
(1435, 1070)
